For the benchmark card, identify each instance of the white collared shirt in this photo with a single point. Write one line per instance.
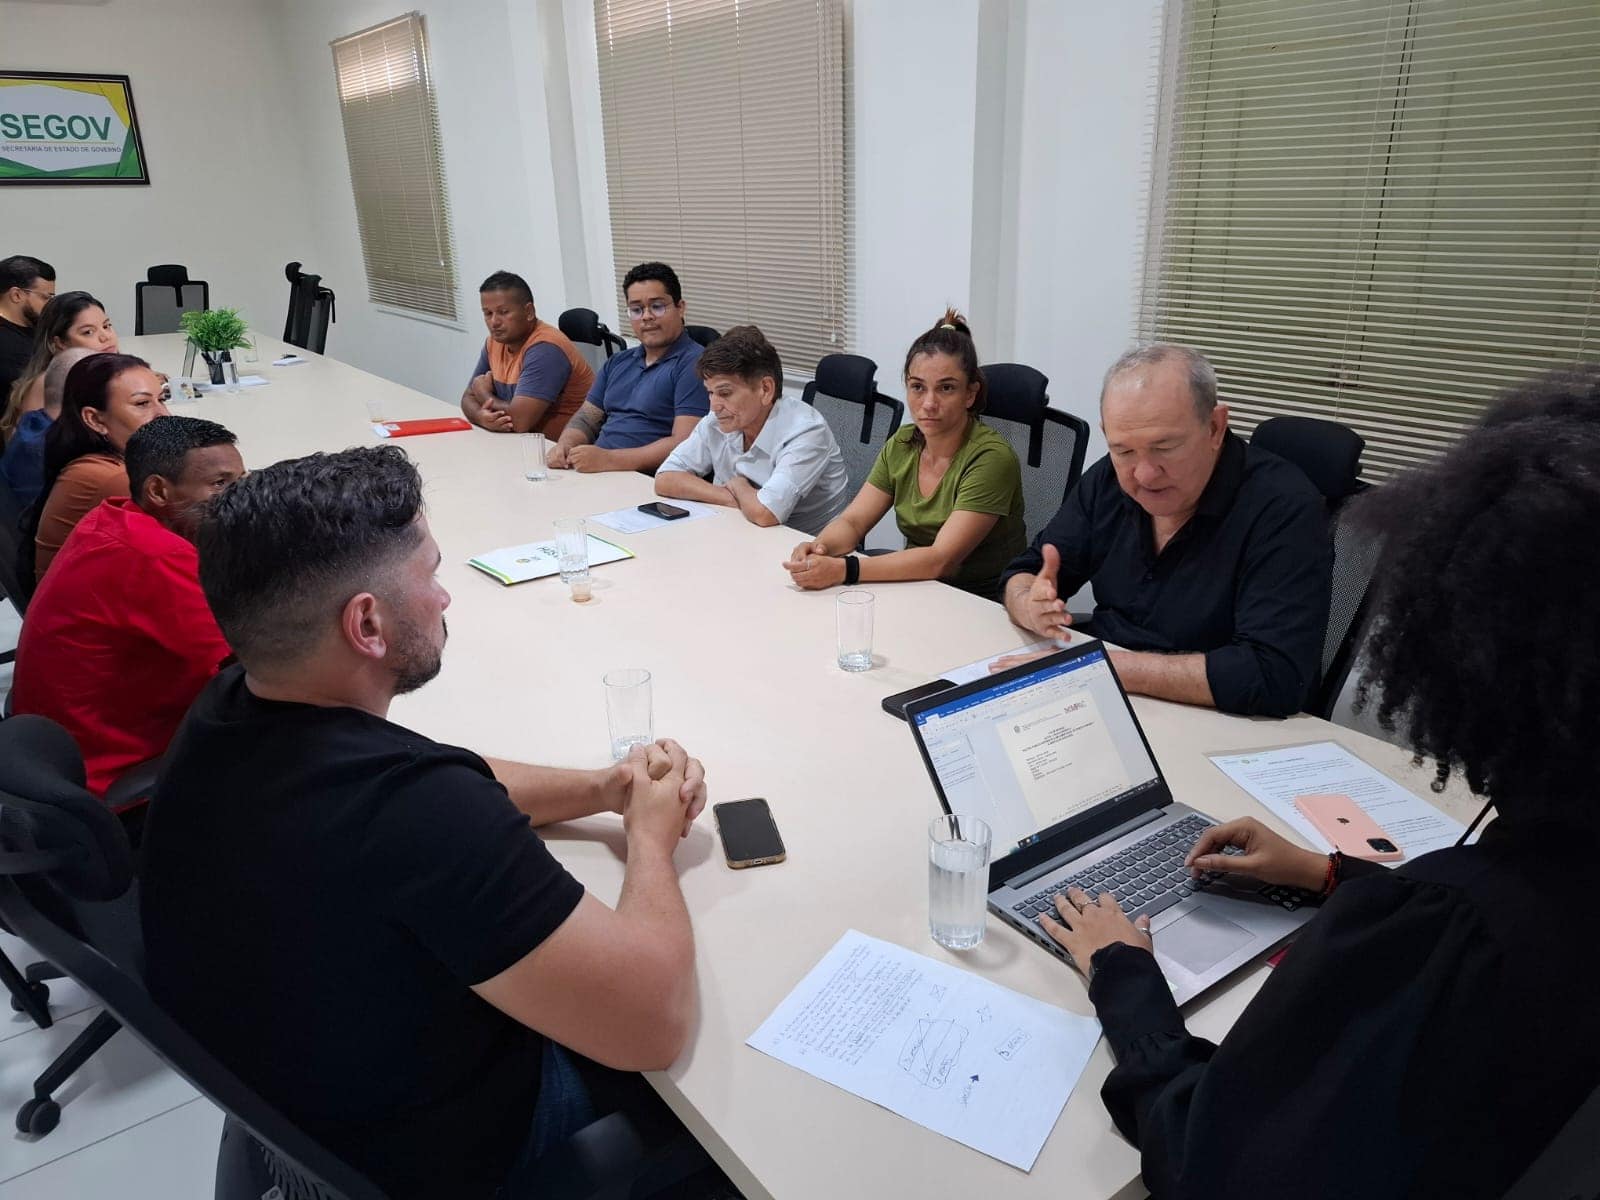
(794, 463)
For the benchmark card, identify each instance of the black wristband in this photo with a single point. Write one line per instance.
(852, 570)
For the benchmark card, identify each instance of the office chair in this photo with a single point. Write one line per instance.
(1050, 443)
(165, 294)
(1568, 1168)
(845, 392)
(703, 334)
(11, 535)
(1329, 454)
(583, 327)
(311, 308)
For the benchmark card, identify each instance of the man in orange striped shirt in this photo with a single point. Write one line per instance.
(529, 377)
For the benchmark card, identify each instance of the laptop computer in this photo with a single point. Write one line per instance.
(1050, 754)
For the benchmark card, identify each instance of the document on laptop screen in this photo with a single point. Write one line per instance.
(1029, 754)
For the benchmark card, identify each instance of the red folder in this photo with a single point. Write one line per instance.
(395, 429)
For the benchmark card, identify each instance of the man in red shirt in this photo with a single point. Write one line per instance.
(118, 639)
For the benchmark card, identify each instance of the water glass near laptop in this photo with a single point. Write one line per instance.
(853, 617)
(958, 880)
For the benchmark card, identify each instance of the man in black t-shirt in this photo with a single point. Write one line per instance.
(26, 286)
(362, 922)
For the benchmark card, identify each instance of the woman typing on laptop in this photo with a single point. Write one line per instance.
(1431, 1030)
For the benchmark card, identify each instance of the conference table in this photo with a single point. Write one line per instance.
(744, 677)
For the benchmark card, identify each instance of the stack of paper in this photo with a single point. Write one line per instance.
(518, 564)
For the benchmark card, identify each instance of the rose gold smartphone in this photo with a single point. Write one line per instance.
(1342, 821)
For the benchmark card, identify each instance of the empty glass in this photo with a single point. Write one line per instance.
(628, 711)
(533, 456)
(853, 616)
(230, 373)
(958, 880)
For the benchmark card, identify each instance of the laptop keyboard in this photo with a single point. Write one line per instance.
(1146, 877)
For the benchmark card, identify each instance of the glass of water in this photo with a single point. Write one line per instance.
(533, 467)
(853, 614)
(230, 372)
(958, 880)
(628, 710)
(572, 548)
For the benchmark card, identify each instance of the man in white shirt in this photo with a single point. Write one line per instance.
(770, 456)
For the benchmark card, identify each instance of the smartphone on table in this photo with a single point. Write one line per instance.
(750, 836)
(1344, 823)
(667, 512)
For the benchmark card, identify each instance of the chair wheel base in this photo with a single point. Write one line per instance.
(38, 1116)
(38, 991)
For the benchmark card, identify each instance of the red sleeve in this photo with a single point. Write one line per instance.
(177, 617)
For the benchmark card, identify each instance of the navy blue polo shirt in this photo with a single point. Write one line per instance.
(1245, 582)
(641, 401)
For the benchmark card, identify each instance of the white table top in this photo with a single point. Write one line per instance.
(744, 677)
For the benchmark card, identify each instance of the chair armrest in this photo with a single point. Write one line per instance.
(134, 785)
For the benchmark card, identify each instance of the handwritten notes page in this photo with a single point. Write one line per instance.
(1276, 777)
(959, 1055)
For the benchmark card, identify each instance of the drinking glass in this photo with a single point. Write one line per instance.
(533, 467)
(572, 548)
(853, 616)
(628, 712)
(958, 880)
(230, 372)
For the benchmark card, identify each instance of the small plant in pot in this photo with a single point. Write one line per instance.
(214, 332)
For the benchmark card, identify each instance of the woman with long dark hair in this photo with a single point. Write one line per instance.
(107, 397)
(954, 484)
(72, 319)
(1431, 1030)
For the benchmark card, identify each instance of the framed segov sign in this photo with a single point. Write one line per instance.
(69, 128)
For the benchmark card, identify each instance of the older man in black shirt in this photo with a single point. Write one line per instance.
(1210, 558)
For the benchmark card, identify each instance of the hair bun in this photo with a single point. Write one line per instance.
(953, 320)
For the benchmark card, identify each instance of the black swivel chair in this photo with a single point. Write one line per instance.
(1329, 454)
(845, 392)
(11, 514)
(1050, 443)
(703, 334)
(311, 308)
(164, 296)
(583, 327)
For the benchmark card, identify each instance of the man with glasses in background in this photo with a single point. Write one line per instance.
(26, 286)
(647, 399)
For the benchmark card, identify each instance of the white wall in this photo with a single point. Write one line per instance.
(225, 187)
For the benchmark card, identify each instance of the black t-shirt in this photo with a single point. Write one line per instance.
(16, 348)
(1244, 582)
(320, 890)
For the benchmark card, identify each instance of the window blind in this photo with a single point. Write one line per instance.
(1379, 211)
(724, 141)
(391, 133)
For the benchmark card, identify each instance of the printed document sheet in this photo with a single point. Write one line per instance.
(1276, 777)
(959, 1055)
(631, 520)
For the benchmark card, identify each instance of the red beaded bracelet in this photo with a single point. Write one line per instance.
(1331, 879)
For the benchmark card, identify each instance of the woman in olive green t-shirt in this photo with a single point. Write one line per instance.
(954, 483)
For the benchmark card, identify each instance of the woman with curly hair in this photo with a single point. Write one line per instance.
(1432, 1028)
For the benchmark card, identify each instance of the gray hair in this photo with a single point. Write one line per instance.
(1202, 375)
(55, 375)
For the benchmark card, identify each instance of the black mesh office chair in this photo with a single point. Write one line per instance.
(11, 514)
(1330, 455)
(311, 309)
(584, 328)
(1050, 444)
(703, 334)
(164, 296)
(845, 392)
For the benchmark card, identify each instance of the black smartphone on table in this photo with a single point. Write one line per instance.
(667, 512)
(750, 836)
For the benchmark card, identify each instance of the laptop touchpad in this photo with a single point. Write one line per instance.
(1201, 939)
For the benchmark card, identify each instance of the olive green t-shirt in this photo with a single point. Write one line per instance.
(984, 477)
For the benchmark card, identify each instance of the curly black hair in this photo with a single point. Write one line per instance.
(282, 549)
(1485, 643)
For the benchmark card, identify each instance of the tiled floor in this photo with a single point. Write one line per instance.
(130, 1128)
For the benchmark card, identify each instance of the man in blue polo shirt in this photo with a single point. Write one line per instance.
(645, 400)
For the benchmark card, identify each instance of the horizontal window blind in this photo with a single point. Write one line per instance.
(391, 133)
(1379, 211)
(724, 141)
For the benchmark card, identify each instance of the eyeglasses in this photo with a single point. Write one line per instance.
(48, 296)
(656, 308)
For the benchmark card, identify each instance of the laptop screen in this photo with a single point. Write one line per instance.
(1035, 754)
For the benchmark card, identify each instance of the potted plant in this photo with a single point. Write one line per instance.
(214, 332)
